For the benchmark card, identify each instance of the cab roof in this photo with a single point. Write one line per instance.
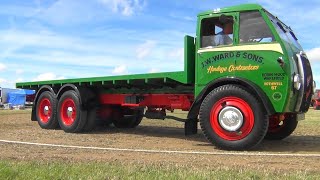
(238, 8)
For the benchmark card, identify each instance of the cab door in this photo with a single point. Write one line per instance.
(215, 56)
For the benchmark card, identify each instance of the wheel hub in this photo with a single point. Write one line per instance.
(46, 110)
(69, 112)
(230, 118)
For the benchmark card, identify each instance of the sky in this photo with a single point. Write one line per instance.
(62, 39)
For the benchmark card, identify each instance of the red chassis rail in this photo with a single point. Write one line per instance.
(167, 101)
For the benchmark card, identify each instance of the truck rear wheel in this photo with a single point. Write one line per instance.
(101, 117)
(279, 130)
(46, 109)
(127, 118)
(91, 120)
(231, 118)
(71, 117)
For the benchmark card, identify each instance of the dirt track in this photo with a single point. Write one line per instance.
(151, 134)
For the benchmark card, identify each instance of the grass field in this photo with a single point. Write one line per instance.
(25, 166)
(97, 170)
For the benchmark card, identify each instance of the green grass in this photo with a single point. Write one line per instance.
(312, 116)
(97, 170)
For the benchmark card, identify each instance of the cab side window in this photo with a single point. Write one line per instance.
(253, 29)
(214, 33)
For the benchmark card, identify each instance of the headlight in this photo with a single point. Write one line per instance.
(297, 81)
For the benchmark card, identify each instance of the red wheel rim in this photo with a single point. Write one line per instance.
(243, 107)
(45, 110)
(68, 112)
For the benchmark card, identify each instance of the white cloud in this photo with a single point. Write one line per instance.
(125, 7)
(47, 76)
(69, 12)
(181, 17)
(122, 69)
(153, 70)
(3, 80)
(43, 50)
(73, 12)
(314, 54)
(317, 79)
(7, 83)
(177, 54)
(2, 67)
(19, 71)
(60, 49)
(145, 49)
(20, 39)
(19, 80)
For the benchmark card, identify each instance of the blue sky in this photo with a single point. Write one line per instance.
(56, 39)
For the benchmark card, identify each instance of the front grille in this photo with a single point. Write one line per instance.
(306, 91)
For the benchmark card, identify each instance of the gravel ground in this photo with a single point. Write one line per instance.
(153, 135)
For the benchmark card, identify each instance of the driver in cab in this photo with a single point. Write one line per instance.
(224, 37)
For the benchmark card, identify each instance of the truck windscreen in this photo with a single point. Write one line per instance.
(285, 32)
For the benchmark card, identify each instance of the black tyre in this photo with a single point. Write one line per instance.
(233, 119)
(72, 118)
(279, 130)
(138, 117)
(46, 111)
(104, 116)
(127, 118)
(91, 120)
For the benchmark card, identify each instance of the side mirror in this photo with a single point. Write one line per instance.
(225, 19)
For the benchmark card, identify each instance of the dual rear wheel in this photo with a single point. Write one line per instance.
(46, 111)
(73, 118)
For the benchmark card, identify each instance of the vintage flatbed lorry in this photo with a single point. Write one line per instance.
(251, 83)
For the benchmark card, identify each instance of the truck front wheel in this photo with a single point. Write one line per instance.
(281, 129)
(72, 118)
(46, 108)
(231, 118)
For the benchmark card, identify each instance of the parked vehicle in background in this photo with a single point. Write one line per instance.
(16, 97)
(4, 92)
(316, 100)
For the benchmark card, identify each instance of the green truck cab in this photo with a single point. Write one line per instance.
(245, 79)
